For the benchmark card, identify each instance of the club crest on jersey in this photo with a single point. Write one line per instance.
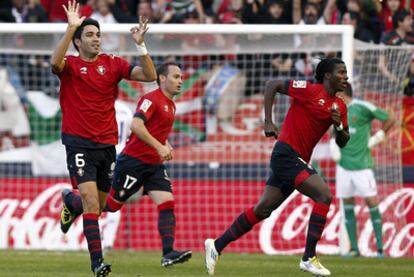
(80, 172)
(321, 102)
(145, 105)
(166, 108)
(101, 70)
(299, 84)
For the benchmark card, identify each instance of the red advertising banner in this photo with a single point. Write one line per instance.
(29, 219)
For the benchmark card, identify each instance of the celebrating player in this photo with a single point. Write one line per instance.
(314, 109)
(354, 174)
(88, 89)
(140, 169)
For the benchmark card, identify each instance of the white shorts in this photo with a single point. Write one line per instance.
(350, 183)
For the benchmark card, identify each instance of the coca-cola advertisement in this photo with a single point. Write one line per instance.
(30, 212)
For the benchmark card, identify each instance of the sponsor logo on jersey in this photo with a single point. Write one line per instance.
(84, 70)
(145, 105)
(101, 70)
(299, 84)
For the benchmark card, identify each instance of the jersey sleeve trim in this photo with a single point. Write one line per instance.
(142, 116)
(131, 67)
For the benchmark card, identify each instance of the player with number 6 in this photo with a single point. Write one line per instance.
(88, 90)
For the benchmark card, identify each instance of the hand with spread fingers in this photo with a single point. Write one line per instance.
(72, 13)
(138, 32)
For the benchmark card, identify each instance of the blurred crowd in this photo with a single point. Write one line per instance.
(386, 21)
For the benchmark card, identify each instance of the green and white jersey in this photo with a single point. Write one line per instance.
(356, 155)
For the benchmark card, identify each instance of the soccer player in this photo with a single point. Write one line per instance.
(315, 107)
(354, 174)
(88, 89)
(139, 168)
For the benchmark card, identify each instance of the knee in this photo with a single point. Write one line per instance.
(263, 211)
(325, 197)
(90, 204)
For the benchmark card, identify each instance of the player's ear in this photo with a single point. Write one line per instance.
(328, 75)
(77, 42)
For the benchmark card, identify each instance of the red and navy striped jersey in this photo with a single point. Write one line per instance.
(88, 91)
(158, 112)
(309, 116)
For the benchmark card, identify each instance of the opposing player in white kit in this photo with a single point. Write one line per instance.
(354, 171)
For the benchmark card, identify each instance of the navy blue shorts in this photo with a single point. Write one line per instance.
(87, 164)
(131, 174)
(288, 169)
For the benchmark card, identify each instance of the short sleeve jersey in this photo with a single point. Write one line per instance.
(158, 112)
(356, 155)
(309, 116)
(87, 95)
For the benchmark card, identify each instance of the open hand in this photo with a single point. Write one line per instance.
(72, 13)
(139, 31)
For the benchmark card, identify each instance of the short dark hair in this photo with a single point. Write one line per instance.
(163, 70)
(326, 66)
(399, 16)
(355, 16)
(348, 90)
(79, 30)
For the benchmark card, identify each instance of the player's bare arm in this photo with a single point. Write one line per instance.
(139, 129)
(379, 136)
(147, 71)
(342, 133)
(271, 88)
(389, 122)
(74, 21)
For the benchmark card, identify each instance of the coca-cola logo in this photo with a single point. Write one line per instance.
(284, 231)
(34, 224)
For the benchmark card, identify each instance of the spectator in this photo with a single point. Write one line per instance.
(5, 11)
(35, 12)
(54, 10)
(174, 11)
(102, 13)
(361, 31)
(143, 8)
(312, 12)
(386, 13)
(369, 17)
(274, 13)
(400, 35)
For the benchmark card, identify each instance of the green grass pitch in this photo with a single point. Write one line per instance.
(147, 264)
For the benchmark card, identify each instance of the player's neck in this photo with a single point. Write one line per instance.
(167, 94)
(331, 92)
(88, 57)
(347, 99)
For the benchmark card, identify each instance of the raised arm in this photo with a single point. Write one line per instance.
(147, 71)
(74, 21)
(329, 8)
(296, 11)
(271, 88)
